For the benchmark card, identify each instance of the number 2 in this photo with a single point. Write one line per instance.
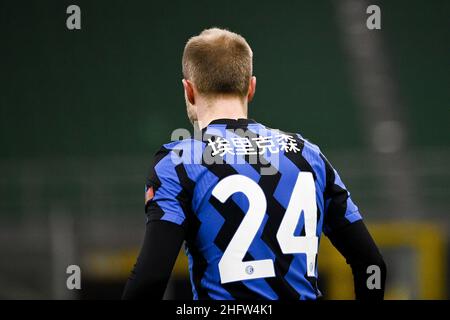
(303, 200)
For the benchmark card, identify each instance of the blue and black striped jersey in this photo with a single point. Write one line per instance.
(253, 202)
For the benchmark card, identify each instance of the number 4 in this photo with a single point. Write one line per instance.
(303, 199)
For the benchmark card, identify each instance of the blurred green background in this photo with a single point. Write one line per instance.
(81, 113)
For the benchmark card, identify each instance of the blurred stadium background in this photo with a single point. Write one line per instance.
(81, 113)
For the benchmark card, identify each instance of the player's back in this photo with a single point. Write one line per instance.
(253, 201)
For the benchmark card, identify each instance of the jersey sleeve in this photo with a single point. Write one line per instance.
(340, 210)
(165, 198)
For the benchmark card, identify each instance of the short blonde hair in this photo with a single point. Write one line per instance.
(218, 62)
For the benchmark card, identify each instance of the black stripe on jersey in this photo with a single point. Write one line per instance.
(152, 209)
(199, 263)
(338, 199)
(297, 158)
(303, 232)
(244, 132)
(184, 197)
(153, 181)
(152, 178)
(153, 212)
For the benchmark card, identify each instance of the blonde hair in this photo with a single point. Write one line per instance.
(218, 62)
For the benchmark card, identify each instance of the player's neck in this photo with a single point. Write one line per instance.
(221, 108)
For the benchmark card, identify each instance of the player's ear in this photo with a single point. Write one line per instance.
(189, 90)
(251, 88)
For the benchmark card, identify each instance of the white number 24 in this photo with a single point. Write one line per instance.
(303, 199)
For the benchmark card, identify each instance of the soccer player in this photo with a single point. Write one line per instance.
(249, 202)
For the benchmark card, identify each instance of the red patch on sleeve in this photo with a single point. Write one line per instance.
(149, 194)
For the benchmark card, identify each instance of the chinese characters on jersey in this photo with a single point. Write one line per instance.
(252, 146)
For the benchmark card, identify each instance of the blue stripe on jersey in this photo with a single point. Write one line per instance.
(164, 195)
(311, 154)
(191, 274)
(212, 222)
(259, 251)
(352, 213)
(301, 223)
(296, 278)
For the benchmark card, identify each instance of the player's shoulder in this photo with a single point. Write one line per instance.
(310, 151)
(306, 144)
(309, 145)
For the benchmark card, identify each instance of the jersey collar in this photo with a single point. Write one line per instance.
(233, 122)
